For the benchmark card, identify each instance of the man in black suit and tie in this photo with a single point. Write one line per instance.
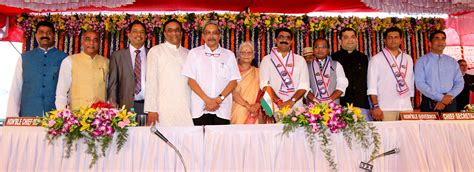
(127, 71)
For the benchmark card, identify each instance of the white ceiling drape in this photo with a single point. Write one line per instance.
(421, 6)
(56, 5)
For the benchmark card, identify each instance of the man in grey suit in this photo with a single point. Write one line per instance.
(128, 70)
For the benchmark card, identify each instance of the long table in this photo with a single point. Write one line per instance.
(424, 146)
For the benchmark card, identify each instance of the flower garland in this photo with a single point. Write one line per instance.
(237, 27)
(73, 24)
(95, 124)
(321, 120)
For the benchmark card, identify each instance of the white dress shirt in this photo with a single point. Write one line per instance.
(212, 70)
(14, 97)
(269, 76)
(167, 91)
(141, 94)
(382, 83)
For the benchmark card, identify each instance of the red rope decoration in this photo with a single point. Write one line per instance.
(232, 40)
(374, 45)
(121, 39)
(61, 42)
(76, 44)
(361, 43)
(106, 45)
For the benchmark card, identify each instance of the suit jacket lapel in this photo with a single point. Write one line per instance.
(128, 61)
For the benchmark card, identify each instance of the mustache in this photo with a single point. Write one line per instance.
(44, 38)
(284, 42)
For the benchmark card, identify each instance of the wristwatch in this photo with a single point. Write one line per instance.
(221, 97)
(293, 100)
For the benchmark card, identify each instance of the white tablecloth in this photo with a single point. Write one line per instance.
(26, 149)
(424, 146)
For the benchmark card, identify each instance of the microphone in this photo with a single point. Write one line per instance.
(162, 137)
(390, 152)
(367, 166)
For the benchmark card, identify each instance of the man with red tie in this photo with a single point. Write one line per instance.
(127, 71)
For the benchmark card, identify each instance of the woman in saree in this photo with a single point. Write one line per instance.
(246, 96)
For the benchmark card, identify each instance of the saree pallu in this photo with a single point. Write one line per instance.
(248, 89)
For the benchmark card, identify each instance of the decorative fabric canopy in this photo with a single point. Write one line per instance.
(421, 6)
(57, 5)
(266, 6)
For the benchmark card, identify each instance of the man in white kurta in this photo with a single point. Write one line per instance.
(284, 65)
(167, 91)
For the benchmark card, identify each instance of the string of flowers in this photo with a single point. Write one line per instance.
(322, 120)
(73, 24)
(96, 124)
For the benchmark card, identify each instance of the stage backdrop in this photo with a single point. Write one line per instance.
(237, 28)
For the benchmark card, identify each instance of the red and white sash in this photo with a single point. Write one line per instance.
(285, 71)
(399, 72)
(322, 79)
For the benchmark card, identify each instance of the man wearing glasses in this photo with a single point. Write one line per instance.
(327, 79)
(167, 91)
(212, 75)
(283, 73)
(128, 71)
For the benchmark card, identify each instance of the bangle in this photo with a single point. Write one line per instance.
(374, 106)
(278, 102)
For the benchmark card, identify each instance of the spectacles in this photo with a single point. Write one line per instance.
(138, 32)
(246, 53)
(211, 33)
(178, 30)
(213, 54)
(322, 47)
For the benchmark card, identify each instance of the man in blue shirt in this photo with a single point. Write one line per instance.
(438, 77)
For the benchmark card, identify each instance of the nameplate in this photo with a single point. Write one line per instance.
(457, 115)
(418, 116)
(22, 121)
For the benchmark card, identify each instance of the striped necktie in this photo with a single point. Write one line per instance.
(137, 70)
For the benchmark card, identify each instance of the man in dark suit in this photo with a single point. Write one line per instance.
(127, 71)
(463, 98)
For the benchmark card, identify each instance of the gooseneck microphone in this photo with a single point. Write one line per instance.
(162, 137)
(390, 152)
(367, 166)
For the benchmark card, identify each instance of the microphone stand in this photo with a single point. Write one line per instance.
(162, 137)
(367, 166)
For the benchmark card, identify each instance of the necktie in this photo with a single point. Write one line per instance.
(137, 71)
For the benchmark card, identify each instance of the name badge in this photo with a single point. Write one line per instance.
(457, 116)
(22, 121)
(418, 116)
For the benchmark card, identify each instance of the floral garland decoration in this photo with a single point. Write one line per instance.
(73, 24)
(95, 124)
(322, 119)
